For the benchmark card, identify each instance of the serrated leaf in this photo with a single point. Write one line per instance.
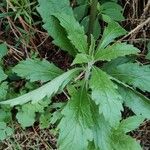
(81, 58)
(104, 93)
(5, 131)
(112, 31)
(3, 50)
(37, 70)
(26, 119)
(48, 89)
(131, 123)
(74, 30)
(121, 141)
(3, 90)
(3, 76)
(140, 105)
(27, 113)
(133, 74)
(116, 50)
(101, 131)
(75, 125)
(46, 9)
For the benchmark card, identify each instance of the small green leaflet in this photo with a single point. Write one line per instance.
(48, 89)
(104, 93)
(75, 125)
(112, 31)
(27, 113)
(80, 11)
(46, 9)
(74, 30)
(45, 120)
(81, 58)
(121, 141)
(116, 50)
(37, 70)
(139, 104)
(113, 10)
(5, 115)
(131, 123)
(3, 90)
(3, 76)
(5, 131)
(133, 74)
(3, 50)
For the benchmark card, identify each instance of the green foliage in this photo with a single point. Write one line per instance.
(111, 9)
(116, 50)
(52, 24)
(105, 95)
(3, 90)
(27, 113)
(112, 31)
(47, 90)
(78, 117)
(75, 31)
(36, 70)
(107, 79)
(3, 50)
(133, 74)
(3, 76)
(5, 131)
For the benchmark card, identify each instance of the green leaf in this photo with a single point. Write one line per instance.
(3, 90)
(131, 123)
(133, 74)
(113, 10)
(116, 50)
(45, 120)
(5, 115)
(96, 28)
(35, 70)
(81, 58)
(80, 11)
(5, 131)
(3, 76)
(75, 125)
(121, 141)
(3, 50)
(101, 131)
(139, 104)
(112, 31)
(26, 118)
(46, 9)
(27, 113)
(104, 93)
(74, 30)
(48, 89)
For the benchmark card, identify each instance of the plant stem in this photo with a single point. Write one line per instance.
(92, 18)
